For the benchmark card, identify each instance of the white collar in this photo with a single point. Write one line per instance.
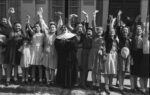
(66, 35)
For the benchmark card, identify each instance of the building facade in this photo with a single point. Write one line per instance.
(130, 8)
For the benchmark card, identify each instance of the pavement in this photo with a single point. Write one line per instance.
(44, 90)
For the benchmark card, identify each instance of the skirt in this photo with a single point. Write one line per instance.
(137, 60)
(144, 67)
(26, 58)
(36, 55)
(49, 60)
(110, 66)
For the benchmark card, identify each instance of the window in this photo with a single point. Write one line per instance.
(130, 8)
(27, 1)
(57, 6)
(40, 1)
(17, 6)
(65, 6)
(2, 8)
(88, 2)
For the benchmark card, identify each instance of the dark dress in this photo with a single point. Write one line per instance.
(12, 55)
(137, 54)
(67, 62)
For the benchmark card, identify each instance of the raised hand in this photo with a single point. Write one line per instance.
(40, 12)
(11, 10)
(59, 13)
(72, 15)
(86, 14)
(119, 12)
(28, 18)
(95, 12)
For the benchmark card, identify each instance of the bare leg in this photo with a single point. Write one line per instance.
(1, 72)
(33, 73)
(15, 72)
(94, 78)
(23, 74)
(40, 73)
(8, 71)
(47, 73)
(26, 74)
(52, 74)
(121, 80)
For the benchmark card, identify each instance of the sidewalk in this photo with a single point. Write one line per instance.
(43, 90)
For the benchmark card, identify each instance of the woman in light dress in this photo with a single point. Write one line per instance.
(49, 58)
(110, 65)
(36, 51)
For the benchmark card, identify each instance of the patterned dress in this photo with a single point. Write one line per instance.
(26, 56)
(110, 66)
(49, 58)
(96, 59)
(37, 49)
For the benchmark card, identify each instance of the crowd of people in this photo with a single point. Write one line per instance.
(68, 52)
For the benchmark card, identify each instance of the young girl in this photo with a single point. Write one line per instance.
(25, 60)
(110, 66)
(96, 54)
(98, 50)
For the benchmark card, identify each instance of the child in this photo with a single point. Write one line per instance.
(110, 66)
(25, 60)
(98, 50)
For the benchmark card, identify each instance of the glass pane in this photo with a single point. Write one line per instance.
(2, 1)
(2, 10)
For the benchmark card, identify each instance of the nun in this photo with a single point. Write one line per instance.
(65, 45)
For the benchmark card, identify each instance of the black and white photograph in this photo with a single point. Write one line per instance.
(74, 47)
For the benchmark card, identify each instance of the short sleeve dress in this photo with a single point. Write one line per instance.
(49, 56)
(37, 49)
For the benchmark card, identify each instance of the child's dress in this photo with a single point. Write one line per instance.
(37, 49)
(26, 56)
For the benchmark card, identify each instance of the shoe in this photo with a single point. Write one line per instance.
(16, 82)
(133, 90)
(7, 83)
(143, 91)
(117, 85)
(137, 89)
(107, 91)
(122, 92)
